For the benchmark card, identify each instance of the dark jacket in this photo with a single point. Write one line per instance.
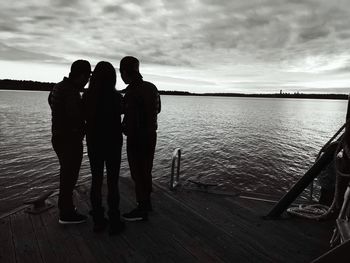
(141, 106)
(102, 114)
(66, 109)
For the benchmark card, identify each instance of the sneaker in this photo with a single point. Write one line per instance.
(136, 215)
(116, 228)
(73, 218)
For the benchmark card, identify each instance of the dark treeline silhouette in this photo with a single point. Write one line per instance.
(174, 92)
(8, 84)
(261, 95)
(284, 95)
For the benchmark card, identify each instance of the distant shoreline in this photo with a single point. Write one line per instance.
(27, 85)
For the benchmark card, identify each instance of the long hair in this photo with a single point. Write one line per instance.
(103, 78)
(99, 99)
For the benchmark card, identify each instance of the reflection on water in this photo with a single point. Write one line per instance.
(258, 144)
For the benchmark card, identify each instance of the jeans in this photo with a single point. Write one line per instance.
(101, 154)
(140, 151)
(69, 150)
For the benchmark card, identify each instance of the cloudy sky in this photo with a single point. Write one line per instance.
(196, 45)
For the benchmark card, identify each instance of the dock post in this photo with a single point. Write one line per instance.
(39, 203)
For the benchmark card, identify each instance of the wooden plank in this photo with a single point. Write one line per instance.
(104, 247)
(174, 235)
(214, 242)
(65, 248)
(296, 232)
(311, 230)
(13, 211)
(75, 230)
(282, 237)
(25, 243)
(221, 245)
(193, 245)
(46, 247)
(339, 254)
(184, 227)
(149, 239)
(172, 241)
(7, 252)
(181, 235)
(80, 242)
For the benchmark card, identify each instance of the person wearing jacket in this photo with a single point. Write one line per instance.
(68, 134)
(102, 110)
(142, 105)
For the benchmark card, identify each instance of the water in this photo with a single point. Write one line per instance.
(246, 144)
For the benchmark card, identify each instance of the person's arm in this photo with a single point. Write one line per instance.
(159, 103)
(74, 109)
(121, 104)
(346, 142)
(49, 98)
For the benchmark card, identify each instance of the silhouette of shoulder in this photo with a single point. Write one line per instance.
(66, 106)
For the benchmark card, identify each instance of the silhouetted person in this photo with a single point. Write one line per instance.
(102, 107)
(346, 146)
(142, 104)
(68, 134)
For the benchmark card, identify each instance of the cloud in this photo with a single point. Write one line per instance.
(217, 39)
(16, 54)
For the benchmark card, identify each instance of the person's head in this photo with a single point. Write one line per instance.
(129, 69)
(80, 72)
(103, 77)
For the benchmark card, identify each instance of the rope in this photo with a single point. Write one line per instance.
(308, 211)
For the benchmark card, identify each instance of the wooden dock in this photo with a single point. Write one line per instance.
(185, 226)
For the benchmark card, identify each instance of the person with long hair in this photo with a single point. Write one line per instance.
(102, 109)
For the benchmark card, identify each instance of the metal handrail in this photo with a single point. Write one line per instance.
(176, 155)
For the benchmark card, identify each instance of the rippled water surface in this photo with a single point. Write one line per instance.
(249, 144)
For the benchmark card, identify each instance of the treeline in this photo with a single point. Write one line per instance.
(283, 95)
(8, 84)
(262, 95)
(181, 93)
